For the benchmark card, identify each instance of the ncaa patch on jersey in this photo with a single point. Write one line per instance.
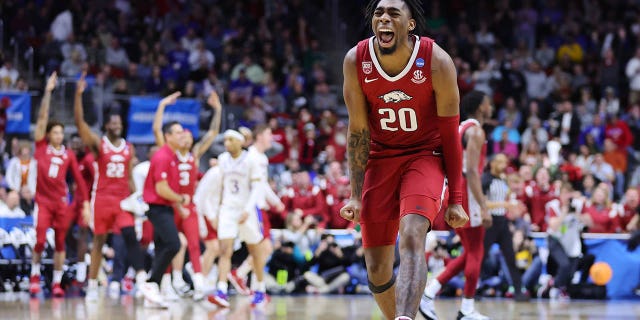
(367, 67)
(419, 62)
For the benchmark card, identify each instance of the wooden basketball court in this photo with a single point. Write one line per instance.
(20, 306)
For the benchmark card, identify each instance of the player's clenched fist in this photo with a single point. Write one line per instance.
(455, 216)
(351, 211)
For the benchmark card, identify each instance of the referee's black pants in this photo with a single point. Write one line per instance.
(500, 233)
(165, 239)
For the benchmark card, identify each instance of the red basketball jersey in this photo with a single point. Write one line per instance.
(112, 174)
(402, 108)
(464, 125)
(51, 184)
(188, 174)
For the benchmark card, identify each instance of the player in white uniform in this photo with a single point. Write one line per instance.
(207, 201)
(263, 139)
(242, 186)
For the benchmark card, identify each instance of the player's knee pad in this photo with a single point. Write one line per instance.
(382, 288)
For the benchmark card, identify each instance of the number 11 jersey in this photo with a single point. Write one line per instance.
(112, 172)
(401, 108)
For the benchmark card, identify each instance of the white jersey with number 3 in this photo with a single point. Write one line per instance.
(238, 175)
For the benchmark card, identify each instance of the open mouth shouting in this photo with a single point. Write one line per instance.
(385, 37)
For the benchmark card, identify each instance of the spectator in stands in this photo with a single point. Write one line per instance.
(306, 199)
(619, 133)
(537, 82)
(538, 194)
(632, 71)
(609, 102)
(510, 112)
(274, 98)
(595, 130)
(301, 231)
(531, 154)
(323, 98)
(627, 210)
(201, 61)
(284, 270)
(277, 161)
(332, 273)
(26, 200)
(11, 207)
(21, 170)
(308, 147)
(609, 71)
(68, 47)
(618, 161)
(565, 124)
(73, 65)
(8, 75)
(564, 237)
(598, 208)
(602, 170)
(254, 71)
(535, 132)
(505, 146)
(116, 56)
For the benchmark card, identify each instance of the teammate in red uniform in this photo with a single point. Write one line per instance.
(54, 160)
(161, 192)
(87, 169)
(477, 107)
(402, 96)
(113, 183)
(188, 156)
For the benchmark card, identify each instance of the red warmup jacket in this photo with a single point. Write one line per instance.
(620, 134)
(536, 201)
(280, 136)
(603, 222)
(310, 200)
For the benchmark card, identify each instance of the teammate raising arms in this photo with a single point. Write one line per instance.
(402, 97)
(113, 183)
(54, 161)
(188, 156)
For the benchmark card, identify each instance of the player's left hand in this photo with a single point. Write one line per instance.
(184, 212)
(86, 212)
(455, 216)
(214, 100)
(243, 217)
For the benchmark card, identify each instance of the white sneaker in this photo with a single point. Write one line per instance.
(198, 285)
(151, 292)
(427, 308)
(182, 288)
(114, 290)
(167, 291)
(475, 315)
(92, 294)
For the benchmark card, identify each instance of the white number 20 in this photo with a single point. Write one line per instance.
(404, 114)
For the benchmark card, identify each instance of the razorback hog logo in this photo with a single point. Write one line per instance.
(395, 96)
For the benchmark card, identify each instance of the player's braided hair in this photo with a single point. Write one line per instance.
(415, 7)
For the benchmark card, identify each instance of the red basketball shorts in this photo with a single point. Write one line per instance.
(107, 214)
(212, 234)
(50, 215)
(75, 214)
(397, 186)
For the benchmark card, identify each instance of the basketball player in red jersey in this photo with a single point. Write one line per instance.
(402, 97)
(86, 167)
(476, 106)
(188, 156)
(54, 160)
(113, 183)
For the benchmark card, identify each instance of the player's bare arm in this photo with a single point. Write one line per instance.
(445, 87)
(214, 127)
(89, 138)
(157, 119)
(475, 138)
(132, 163)
(358, 137)
(43, 114)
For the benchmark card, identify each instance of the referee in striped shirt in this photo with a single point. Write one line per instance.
(494, 186)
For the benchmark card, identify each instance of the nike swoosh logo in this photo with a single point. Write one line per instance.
(370, 80)
(436, 153)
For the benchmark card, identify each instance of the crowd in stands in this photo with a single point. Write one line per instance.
(564, 79)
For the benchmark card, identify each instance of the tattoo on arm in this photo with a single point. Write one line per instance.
(358, 149)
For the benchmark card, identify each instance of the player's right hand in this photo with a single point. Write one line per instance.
(455, 216)
(214, 100)
(81, 85)
(51, 82)
(487, 219)
(170, 99)
(351, 211)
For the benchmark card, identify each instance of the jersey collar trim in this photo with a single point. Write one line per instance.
(183, 158)
(406, 69)
(57, 152)
(113, 148)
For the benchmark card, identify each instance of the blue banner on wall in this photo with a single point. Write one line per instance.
(143, 109)
(625, 266)
(18, 106)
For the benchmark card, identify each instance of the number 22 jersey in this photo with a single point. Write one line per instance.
(401, 108)
(112, 172)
